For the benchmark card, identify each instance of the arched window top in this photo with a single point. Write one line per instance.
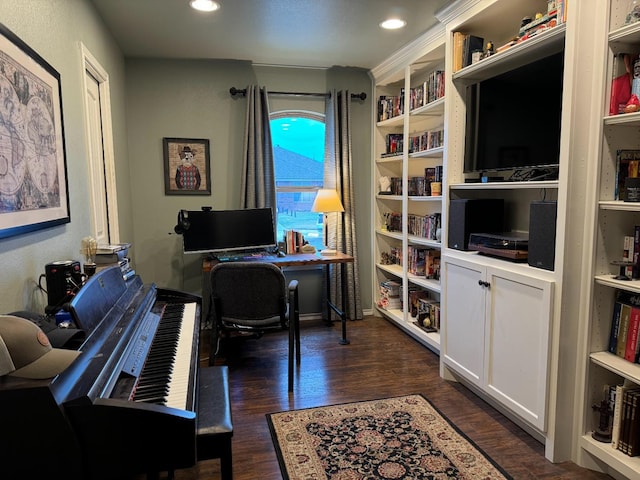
(298, 145)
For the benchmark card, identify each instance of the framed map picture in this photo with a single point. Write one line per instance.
(33, 174)
(187, 169)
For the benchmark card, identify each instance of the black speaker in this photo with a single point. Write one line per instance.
(467, 216)
(542, 234)
(63, 279)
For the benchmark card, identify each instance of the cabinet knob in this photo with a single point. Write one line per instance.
(484, 284)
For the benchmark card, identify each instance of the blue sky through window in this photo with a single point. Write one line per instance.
(304, 136)
(298, 137)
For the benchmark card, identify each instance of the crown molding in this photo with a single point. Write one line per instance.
(396, 62)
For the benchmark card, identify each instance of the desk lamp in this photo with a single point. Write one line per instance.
(326, 201)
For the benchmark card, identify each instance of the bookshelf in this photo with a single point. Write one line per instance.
(611, 220)
(576, 297)
(418, 77)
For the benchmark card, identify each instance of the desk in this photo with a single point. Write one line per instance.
(298, 260)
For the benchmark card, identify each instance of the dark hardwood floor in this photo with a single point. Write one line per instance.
(381, 361)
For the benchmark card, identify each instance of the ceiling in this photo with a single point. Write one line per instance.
(308, 33)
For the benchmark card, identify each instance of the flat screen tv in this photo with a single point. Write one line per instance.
(211, 231)
(513, 119)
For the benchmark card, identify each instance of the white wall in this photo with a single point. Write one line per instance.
(54, 29)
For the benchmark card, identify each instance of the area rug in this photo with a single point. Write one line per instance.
(391, 438)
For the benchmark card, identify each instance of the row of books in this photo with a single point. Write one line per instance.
(424, 226)
(424, 309)
(293, 240)
(423, 262)
(394, 144)
(389, 295)
(624, 401)
(624, 340)
(393, 221)
(631, 254)
(430, 91)
(115, 255)
(392, 257)
(390, 106)
(627, 165)
(427, 140)
(418, 186)
(465, 44)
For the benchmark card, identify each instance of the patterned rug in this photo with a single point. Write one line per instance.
(392, 438)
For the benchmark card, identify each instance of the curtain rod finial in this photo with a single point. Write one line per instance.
(234, 91)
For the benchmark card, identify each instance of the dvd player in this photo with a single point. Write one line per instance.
(510, 245)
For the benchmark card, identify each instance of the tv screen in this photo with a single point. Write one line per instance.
(513, 119)
(207, 231)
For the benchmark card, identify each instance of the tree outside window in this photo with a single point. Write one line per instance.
(298, 148)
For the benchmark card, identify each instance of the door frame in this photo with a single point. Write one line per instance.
(93, 67)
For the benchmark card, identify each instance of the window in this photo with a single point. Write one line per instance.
(298, 148)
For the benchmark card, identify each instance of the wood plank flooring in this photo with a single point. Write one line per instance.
(381, 361)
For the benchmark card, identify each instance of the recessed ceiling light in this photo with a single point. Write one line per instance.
(393, 23)
(204, 5)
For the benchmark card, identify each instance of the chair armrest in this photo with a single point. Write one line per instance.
(293, 286)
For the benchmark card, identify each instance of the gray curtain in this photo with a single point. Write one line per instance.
(338, 174)
(259, 178)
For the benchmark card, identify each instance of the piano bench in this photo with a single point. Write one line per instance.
(214, 427)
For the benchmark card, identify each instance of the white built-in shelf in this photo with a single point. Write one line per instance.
(432, 152)
(608, 280)
(414, 240)
(623, 37)
(504, 185)
(425, 198)
(619, 205)
(426, 283)
(542, 45)
(396, 121)
(387, 233)
(391, 159)
(394, 314)
(435, 108)
(626, 465)
(617, 364)
(624, 119)
(395, 270)
(389, 197)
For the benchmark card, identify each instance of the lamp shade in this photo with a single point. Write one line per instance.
(327, 200)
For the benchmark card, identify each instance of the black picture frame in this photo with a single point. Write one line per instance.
(187, 166)
(34, 191)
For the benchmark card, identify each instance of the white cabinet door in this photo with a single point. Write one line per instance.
(517, 342)
(463, 313)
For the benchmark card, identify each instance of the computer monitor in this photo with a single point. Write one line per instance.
(211, 231)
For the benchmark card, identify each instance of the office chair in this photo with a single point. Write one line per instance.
(253, 297)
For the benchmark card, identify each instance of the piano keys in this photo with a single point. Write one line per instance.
(126, 405)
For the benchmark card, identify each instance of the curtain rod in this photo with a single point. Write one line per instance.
(235, 91)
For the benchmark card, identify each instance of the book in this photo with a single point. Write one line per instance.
(615, 326)
(632, 335)
(458, 44)
(471, 44)
(633, 440)
(627, 165)
(107, 258)
(617, 413)
(625, 317)
(625, 419)
(106, 249)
